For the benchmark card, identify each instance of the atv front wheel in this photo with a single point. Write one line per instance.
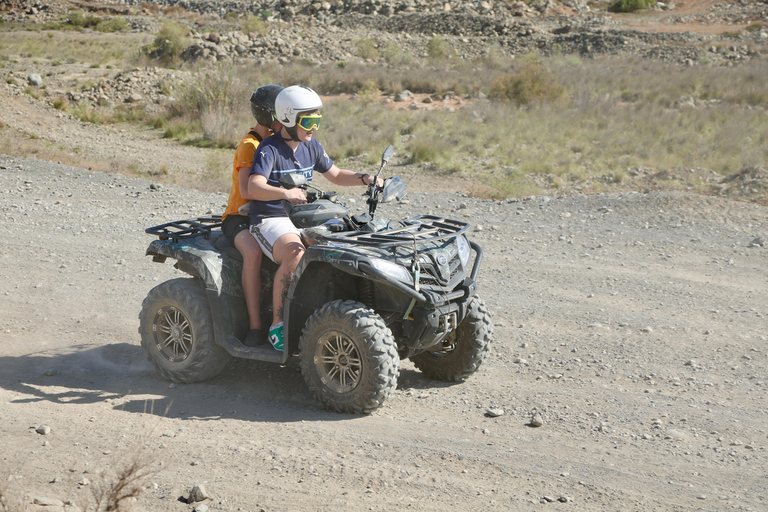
(177, 332)
(348, 357)
(463, 351)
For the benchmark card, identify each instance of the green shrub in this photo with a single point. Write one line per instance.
(368, 92)
(79, 20)
(531, 84)
(438, 49)
(630, 5)
(255, 24)
(394, 54)
(112, 25)
(168, 44)
(365, 48)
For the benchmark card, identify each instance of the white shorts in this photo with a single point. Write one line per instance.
(269, 230)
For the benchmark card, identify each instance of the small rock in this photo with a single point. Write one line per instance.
(197, 494)
(404, 95)
(43, 430)
(48, 502)
(495, 413)
(537, 420)
(34, 79)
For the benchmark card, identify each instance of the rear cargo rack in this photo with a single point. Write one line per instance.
(419, 229)
(185, 229)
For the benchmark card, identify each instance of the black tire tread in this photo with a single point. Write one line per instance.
(473, 344)
(207, 358)
(382, 362)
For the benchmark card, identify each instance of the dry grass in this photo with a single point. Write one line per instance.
(571, 122)
(114, 49)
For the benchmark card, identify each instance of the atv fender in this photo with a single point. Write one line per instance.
(199, 258)
(195, 257)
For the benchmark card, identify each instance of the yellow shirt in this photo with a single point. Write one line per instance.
(236, 205)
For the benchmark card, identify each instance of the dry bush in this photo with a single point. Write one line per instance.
(254, 24)
(367, 48)
(438, 49)
(533, 83)
(630, 5)
(117, 488)
(174, 10)
(169, 42)
(219, 100)
(149, 7)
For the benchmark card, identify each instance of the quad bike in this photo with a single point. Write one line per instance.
(367, 293)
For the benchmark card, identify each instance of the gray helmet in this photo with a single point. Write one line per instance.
(263, 104)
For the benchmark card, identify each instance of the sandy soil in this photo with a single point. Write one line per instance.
(634, 325)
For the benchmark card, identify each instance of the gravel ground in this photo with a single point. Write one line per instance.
(631, 327)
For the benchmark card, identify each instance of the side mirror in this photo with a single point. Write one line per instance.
(293, 180)
(387, 155)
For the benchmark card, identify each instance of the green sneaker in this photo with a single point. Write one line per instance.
(276, 336)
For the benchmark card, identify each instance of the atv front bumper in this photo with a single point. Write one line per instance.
(433, 315)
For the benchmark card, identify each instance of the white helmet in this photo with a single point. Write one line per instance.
(294, 100)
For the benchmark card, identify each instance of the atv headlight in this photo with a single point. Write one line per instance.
(463, 250)
(393, 270)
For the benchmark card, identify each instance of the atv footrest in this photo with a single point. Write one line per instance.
(262, 353)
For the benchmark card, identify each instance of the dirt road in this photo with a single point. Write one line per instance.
(634, 325)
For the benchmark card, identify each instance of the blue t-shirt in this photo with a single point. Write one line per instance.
(273, 159)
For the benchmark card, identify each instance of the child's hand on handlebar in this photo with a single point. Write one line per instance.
(295, 196)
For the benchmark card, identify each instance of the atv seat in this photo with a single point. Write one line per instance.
(224, 246)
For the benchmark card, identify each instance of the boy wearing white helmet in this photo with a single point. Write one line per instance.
(293, 149)
(235, 222)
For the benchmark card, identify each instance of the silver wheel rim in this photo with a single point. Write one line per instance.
(338, 362)
(173, 334)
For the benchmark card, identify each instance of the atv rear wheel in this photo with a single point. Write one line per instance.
(463, 351)
(348, 357)
(177, 332)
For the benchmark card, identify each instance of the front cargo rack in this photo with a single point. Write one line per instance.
(185, 229)
(419, 229)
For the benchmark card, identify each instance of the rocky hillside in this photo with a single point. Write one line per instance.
(472, 29)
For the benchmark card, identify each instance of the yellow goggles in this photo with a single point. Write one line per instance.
(310, 122)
